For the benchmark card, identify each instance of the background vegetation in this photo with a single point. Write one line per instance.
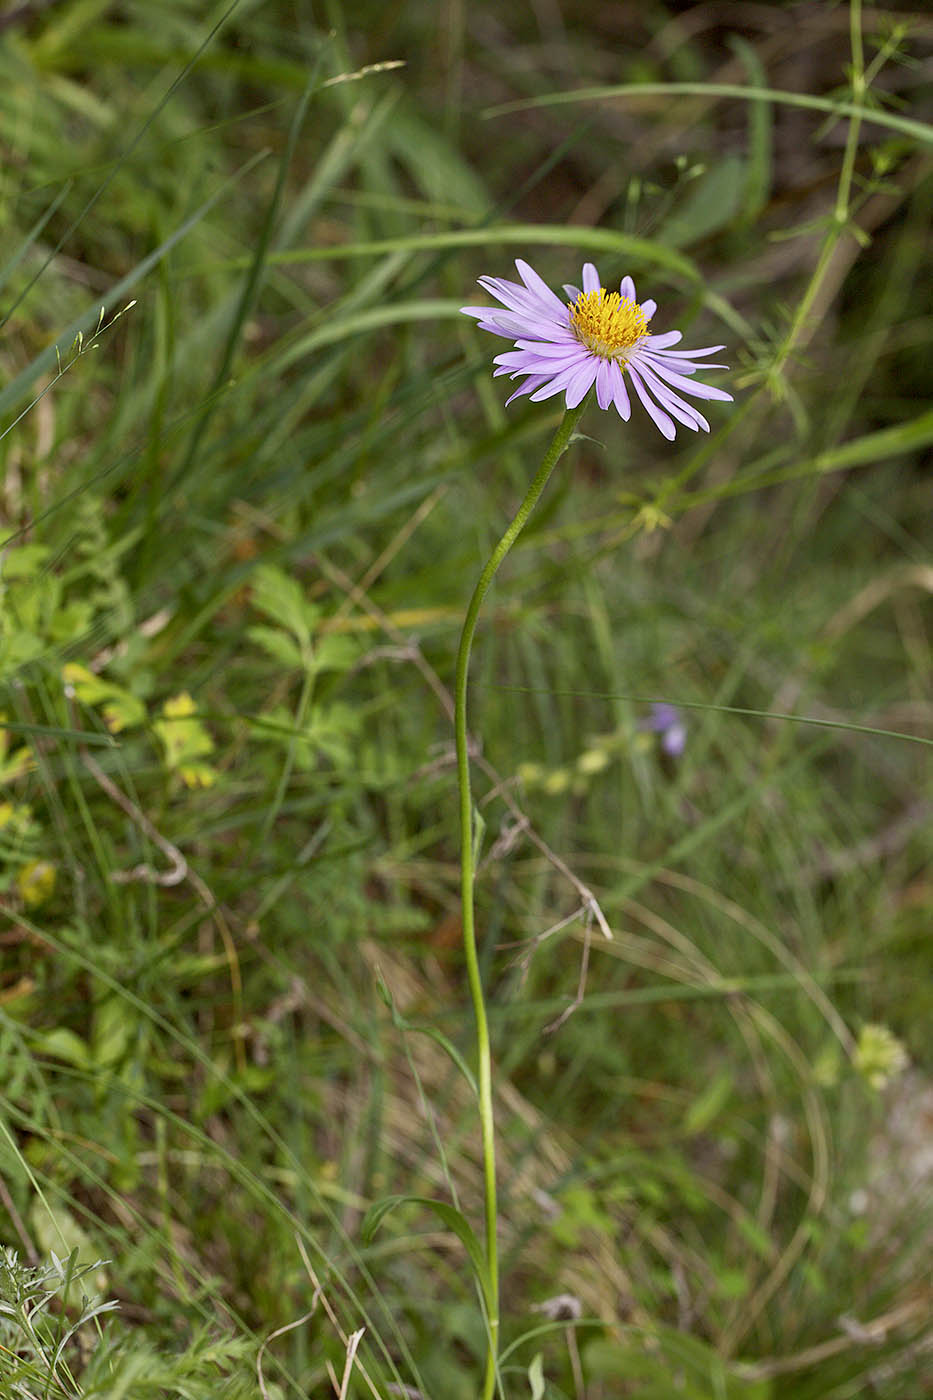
(241, 522)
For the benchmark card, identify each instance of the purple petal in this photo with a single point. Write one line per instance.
(518, 362)
(515, 297)
(659, 363)
(528, 387)
(665, 369)
(556, 346)
(648, 309)
(485, 313)
(530, 349)
(620, 393)
(530, 365)
(493, 330)
(665, 720)
(559, 383)
(539, 314)
(591, 282)
(547, 391)
(674, 740)
(663, 715)
(518, 298)
(573, 293)
(570, 349)
(658, 416)
(692, 354)
(661, 342)
(536, 284)
(627, 289)
(511, 324)
(582, 381)
(684, 412)
(604, 383)
(679, 381)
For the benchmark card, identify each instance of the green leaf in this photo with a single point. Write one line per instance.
(330, 730)
(433, 161)
(917, 130)
(23, 562)
(58, 1231)
(760, 136)
(70, 621)
(335, 653)
(409, 1027)
(709, 1104)
(712, 203)
(449, 1215)
(63, 1044)
(279, 645)
(113, 1031)
(536, 1377)
(282, 598)
(185, 741)
(120, 709)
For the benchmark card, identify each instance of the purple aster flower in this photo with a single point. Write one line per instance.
(666, 720)
(567, 347)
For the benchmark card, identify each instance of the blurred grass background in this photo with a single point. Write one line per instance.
(242, 519)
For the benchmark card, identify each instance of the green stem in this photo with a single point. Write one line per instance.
(842, 210)
(467, 873)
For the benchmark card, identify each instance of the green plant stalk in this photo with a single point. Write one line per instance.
(467, 873)
(841, 211)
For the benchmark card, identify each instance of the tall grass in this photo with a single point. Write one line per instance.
(242, 518)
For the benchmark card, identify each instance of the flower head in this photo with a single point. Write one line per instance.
(597, 337)
(666, 720)
(879, 1056)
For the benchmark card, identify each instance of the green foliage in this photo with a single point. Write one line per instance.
(454, 1219)
(119, 708)
(185, 741)
(669, 1363)
(39, 1344)
(241, 519)
(53, 1345)
(36, 613)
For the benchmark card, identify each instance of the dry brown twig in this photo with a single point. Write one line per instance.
(351, 1342)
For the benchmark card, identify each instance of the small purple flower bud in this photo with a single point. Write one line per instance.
(666, 720)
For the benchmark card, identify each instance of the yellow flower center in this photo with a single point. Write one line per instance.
(608, 324)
